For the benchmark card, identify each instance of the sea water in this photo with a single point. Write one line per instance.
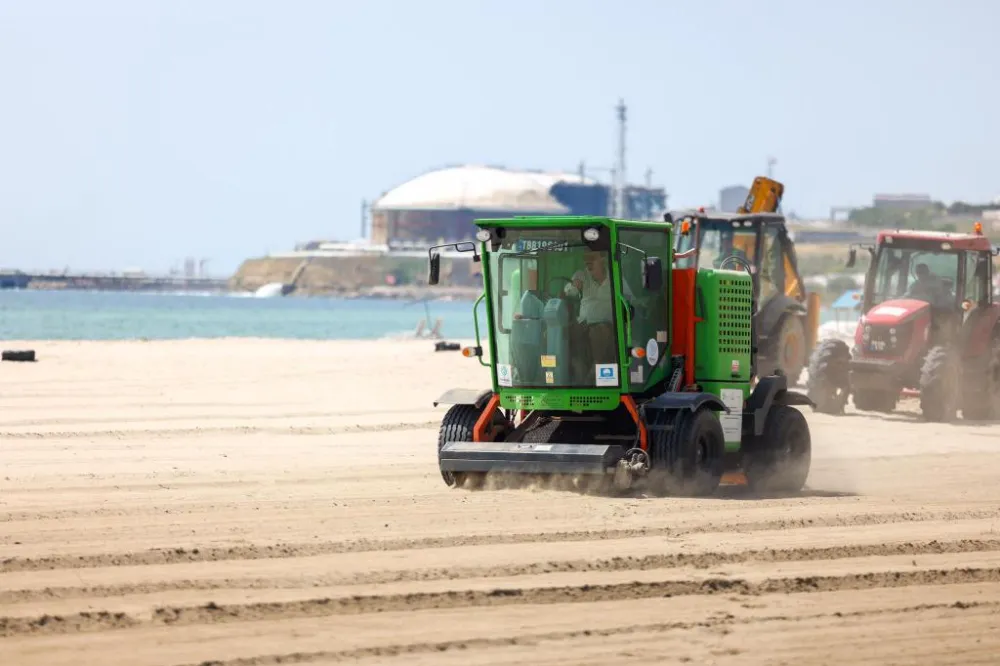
(108, 315)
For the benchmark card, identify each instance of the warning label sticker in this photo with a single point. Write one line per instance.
(732, 423)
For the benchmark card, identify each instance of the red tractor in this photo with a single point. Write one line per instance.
(929, 325)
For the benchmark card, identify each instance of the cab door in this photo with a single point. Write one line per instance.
(649, 323)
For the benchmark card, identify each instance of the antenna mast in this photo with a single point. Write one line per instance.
(621, 178)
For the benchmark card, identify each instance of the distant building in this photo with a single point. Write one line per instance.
(441, 205)
(732, 197)
(902, 201)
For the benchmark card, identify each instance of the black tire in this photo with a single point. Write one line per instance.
(788, 351)
(940, 381)
(18, 355)
(779, 460)
(458, 425)
(688, 460)
(828, 385)
(869, 400)
(981, 385)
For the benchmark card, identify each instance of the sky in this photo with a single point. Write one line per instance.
(137, 133)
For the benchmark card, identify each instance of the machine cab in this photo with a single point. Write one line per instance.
(950, 274)
(759, 239)
(577, 304)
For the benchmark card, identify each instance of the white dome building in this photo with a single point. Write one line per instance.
(441, 205)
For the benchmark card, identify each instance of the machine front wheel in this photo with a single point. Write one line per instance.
(779, 459)
(981, 385)
(790, 348)
(940, 381)
(828, 383)
(458, 425)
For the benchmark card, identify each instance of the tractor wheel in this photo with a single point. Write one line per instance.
(981, 386)
(789, 349)
(458, 425)
(868, 400)
(828, 384)
(688, 460)
(939, 385)
(779, 460)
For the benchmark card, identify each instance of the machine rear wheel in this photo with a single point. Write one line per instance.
(829, 376)
(779, 460)
(688, 460)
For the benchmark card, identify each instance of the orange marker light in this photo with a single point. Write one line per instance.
(685, 227)
(468, 352)
(639, 352)
(978, 226)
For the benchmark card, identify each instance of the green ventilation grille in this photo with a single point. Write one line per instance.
(722, 336)
(735, 308)
(557, 399)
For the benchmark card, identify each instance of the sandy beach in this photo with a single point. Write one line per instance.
(243, 502)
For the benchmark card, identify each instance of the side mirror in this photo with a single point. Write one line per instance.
(852, 257)
(652, 274)
(435, 269)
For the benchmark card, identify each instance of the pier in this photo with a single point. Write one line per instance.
(110, 282)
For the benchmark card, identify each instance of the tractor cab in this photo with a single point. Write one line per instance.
(761, 239)
(925, 280)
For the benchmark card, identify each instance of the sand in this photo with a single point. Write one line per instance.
(241, 502)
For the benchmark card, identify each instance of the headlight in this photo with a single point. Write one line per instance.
(482, 235)
(591, 234)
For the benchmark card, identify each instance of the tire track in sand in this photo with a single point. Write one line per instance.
(532, 640)
(212, 613)
(221, 430)
(254, 552)
(698, 560)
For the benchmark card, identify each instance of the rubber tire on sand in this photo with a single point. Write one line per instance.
(940, 381)
(981, 386)
(688, 460)
(779, 459)
(459, 424)
(792, 332)
(829, 376)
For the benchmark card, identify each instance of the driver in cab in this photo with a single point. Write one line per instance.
(927, 287)
(594, 328)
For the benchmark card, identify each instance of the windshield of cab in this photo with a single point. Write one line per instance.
(718, 240)
(929, 276)
(553, 317)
